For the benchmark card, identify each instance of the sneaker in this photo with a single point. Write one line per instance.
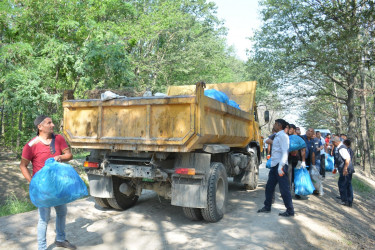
(65, 244)
(298, 197)
(264, 210)
(286, 214)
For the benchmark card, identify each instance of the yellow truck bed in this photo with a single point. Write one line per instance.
(183, 121)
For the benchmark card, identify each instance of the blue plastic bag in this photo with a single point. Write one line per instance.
(217, 95)
(330, 163)
(233, 104)
(56, 184)
(268, 163)
(296, 143)
(302, 182)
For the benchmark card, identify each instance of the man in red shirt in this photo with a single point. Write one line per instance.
(46, 145)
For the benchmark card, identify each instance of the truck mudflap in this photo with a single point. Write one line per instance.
(100, 186)
(189, 192)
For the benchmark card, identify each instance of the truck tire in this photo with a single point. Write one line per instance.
(217, 193)
(102, 202)
(254, 171)
(191, 213)
(121, 201)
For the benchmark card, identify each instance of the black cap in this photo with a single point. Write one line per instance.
(39, 120)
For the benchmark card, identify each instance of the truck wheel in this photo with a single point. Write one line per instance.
(254, 173)
(121, 201)
(102, 202)
(194, 214)
(217, 193)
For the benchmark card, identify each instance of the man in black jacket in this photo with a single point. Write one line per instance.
(346, 169)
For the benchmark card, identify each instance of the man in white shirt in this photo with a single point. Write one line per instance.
(346, 169)
(279, 171)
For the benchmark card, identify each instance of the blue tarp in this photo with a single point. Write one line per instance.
(217, 95)
(302, 182)
(296, 143)
(233, 104)
(56, 184)
(221, 97)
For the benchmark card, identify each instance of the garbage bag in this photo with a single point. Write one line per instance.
(56, 184)
(268, 163)
(317, 179)
(330, 162)
(296, 143)
(302, 182)
(233, 104)
(217, 95)
(109, 95)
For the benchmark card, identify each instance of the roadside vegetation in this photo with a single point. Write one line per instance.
(362, 187)
(14, 205)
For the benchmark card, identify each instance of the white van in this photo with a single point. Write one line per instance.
(323, 131)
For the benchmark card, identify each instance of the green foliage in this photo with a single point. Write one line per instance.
(13, 205)
(47, 47)
(311, 44)
(79, 153)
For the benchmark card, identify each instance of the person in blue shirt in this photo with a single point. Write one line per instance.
(310, 147)
(311, 151)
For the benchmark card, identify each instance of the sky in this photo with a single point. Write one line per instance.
(241, 18)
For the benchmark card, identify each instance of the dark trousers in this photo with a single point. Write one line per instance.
(273, 179)
(345, 188)
(323, 165)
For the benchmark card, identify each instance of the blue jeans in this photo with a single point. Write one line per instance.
(44, 216)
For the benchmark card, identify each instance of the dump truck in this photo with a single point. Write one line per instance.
(183, 146)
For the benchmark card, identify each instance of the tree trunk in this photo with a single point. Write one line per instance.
(352, 80)
(338, 123)
(366, 154)
(350, 106)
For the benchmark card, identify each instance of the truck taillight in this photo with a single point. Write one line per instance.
(187, 171)
(90, 164)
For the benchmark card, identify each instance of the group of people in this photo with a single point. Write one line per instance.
(313, 156)
(46, 145)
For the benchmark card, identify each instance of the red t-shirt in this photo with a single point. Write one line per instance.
(37, 152)
(327, 140)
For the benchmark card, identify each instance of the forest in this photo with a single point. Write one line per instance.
(311, 58)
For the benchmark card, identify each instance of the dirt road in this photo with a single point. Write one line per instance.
(320, 223)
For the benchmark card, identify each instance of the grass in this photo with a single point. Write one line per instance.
(360, 186)
(13, 205)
